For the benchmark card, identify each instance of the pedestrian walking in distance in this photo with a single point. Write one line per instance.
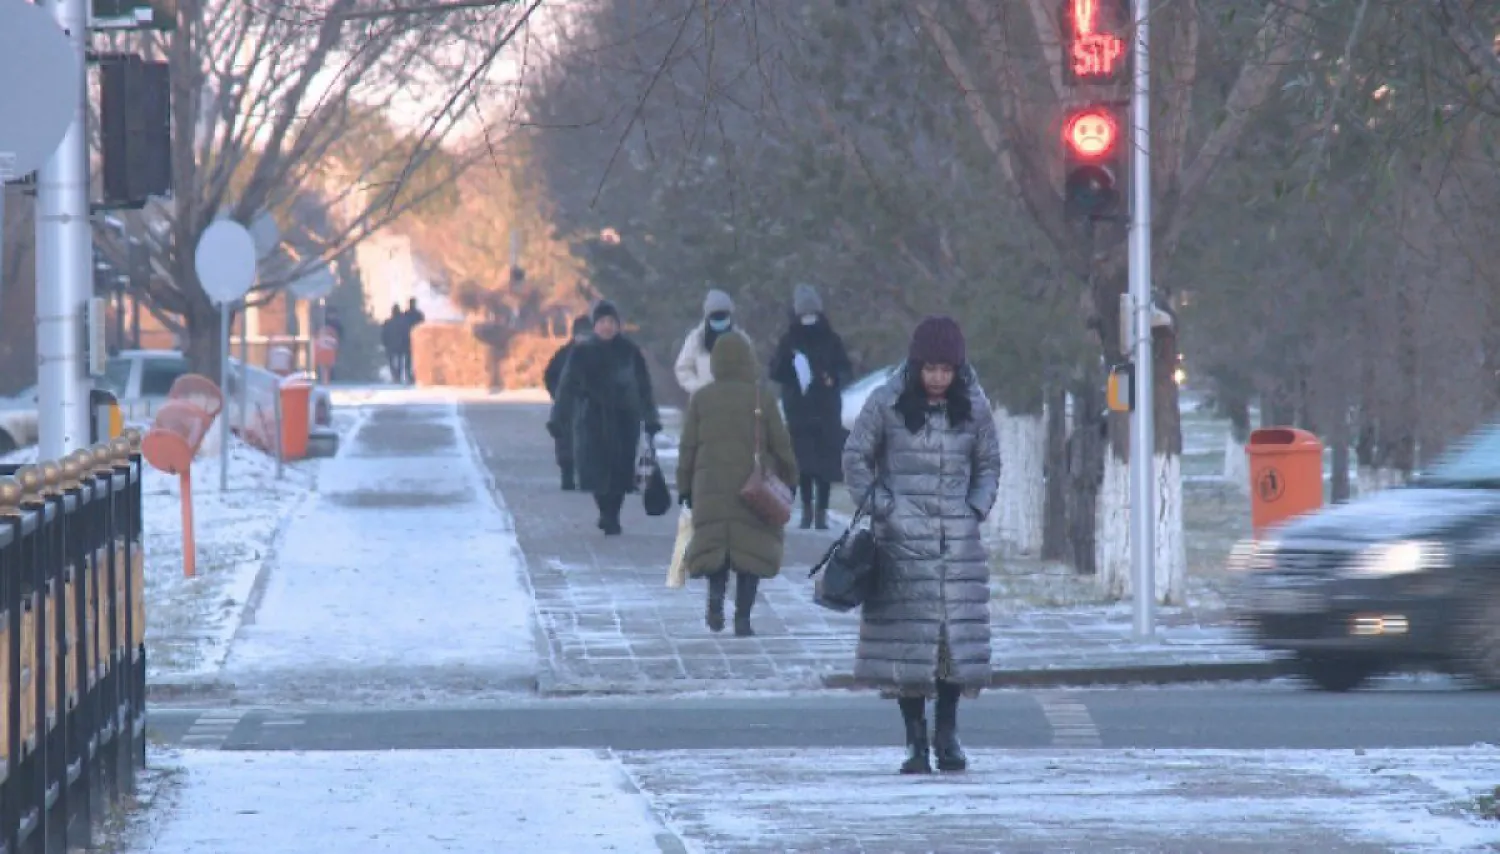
(603, 399)
(926, 442)
(396, 341)
(414, 318)
(583, 329)
(694, 368)
(716, 458)
(812, 367)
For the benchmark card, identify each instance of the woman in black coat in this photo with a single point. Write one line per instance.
(813, 369)
(603, 399)
(583, 328)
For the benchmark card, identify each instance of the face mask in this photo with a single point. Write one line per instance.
(809, 319)
(720, 325)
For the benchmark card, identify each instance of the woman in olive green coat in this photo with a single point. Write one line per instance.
(716, 458)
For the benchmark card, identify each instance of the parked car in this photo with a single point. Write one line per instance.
(18, 427)
(1407, 576)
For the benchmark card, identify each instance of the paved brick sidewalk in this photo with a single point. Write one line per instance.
(612, 626)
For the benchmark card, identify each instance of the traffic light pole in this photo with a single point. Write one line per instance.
(1143, 434)
(65, 265)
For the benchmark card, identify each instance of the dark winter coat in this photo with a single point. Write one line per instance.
(602, 399)
(815, 417)
(395, 335)
(562, 444)
(716, 458)
(936, 484)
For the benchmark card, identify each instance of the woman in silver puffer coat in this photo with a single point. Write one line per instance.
(927, 441)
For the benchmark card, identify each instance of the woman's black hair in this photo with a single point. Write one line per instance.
(912, 403)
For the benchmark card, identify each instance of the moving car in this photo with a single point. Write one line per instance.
(1407, 576)
(860, 390)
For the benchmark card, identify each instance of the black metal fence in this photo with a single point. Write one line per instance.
(72, 652)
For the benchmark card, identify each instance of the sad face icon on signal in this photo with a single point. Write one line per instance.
(1091, 133)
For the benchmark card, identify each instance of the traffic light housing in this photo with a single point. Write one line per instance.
(1093, 167)
(135, 124)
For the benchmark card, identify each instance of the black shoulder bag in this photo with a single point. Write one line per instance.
(848, 567)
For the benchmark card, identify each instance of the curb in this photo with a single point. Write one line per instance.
(1144, 674)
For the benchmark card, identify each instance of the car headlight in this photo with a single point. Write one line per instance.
(1253, 556)
(1403, 557)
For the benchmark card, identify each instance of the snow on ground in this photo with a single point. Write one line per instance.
(1136, 800)
(559, 800)
(453, 801)
(191, 621)
(401, 574)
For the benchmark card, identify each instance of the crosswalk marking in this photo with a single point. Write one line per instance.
(213, 728)
(1072, 725)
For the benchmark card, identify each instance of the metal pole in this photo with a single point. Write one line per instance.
(244, 366)
(224, 405)
(1143, 432)
(3, 190)
(65, 266)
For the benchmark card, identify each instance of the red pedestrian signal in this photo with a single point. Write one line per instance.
(1094, 48)
(1092, 165)
(1091, 133)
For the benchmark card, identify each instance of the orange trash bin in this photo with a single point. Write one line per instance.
(1286, 475)
(296, 417)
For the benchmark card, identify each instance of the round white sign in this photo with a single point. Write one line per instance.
(225, 261)
(34, 116)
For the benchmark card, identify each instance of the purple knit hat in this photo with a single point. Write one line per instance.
(938, 341)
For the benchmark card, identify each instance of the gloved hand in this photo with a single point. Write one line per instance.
(685, 499)
(652, 428)
(554, 430)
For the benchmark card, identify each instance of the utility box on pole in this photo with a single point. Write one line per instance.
(135, 116)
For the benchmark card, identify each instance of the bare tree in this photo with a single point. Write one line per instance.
(265, 93)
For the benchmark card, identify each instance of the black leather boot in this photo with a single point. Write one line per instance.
(717, 583)
(945, 744)
(918, 752)
(745, 586)
(820, 518)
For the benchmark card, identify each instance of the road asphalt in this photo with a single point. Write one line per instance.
(1256, 717)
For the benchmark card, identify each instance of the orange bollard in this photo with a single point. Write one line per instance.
(189, 547)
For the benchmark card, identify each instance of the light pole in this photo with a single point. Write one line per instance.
(1143, 428)
(64, 254)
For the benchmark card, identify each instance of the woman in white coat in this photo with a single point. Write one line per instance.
(693, 371)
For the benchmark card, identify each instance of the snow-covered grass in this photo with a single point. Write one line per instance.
(191, 621)
(409, 802)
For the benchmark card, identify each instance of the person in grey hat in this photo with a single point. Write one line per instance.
(812, 367)
(693, 368)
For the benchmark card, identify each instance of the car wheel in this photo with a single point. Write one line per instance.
(1336, 673)
(1477, 640)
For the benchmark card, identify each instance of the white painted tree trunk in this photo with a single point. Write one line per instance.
(1014, 528)
(1374, 479)
(1112, 538)
(1236, 464)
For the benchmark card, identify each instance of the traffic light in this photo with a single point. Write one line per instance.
(1092, 166)
(135, 125)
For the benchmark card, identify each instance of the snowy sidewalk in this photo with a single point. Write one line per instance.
(612, 626)
(581, 802)
(398, 581)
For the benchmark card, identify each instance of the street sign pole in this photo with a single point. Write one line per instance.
(65, 263)
(1143, 432)
(224, 386)
(225, 262)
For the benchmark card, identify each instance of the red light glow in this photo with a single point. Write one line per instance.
(1094, 55)
(1091, 133)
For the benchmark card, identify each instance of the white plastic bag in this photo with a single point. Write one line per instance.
(677, 571)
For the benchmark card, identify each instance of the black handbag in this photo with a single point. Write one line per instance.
(849, 566)
(656, 496)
